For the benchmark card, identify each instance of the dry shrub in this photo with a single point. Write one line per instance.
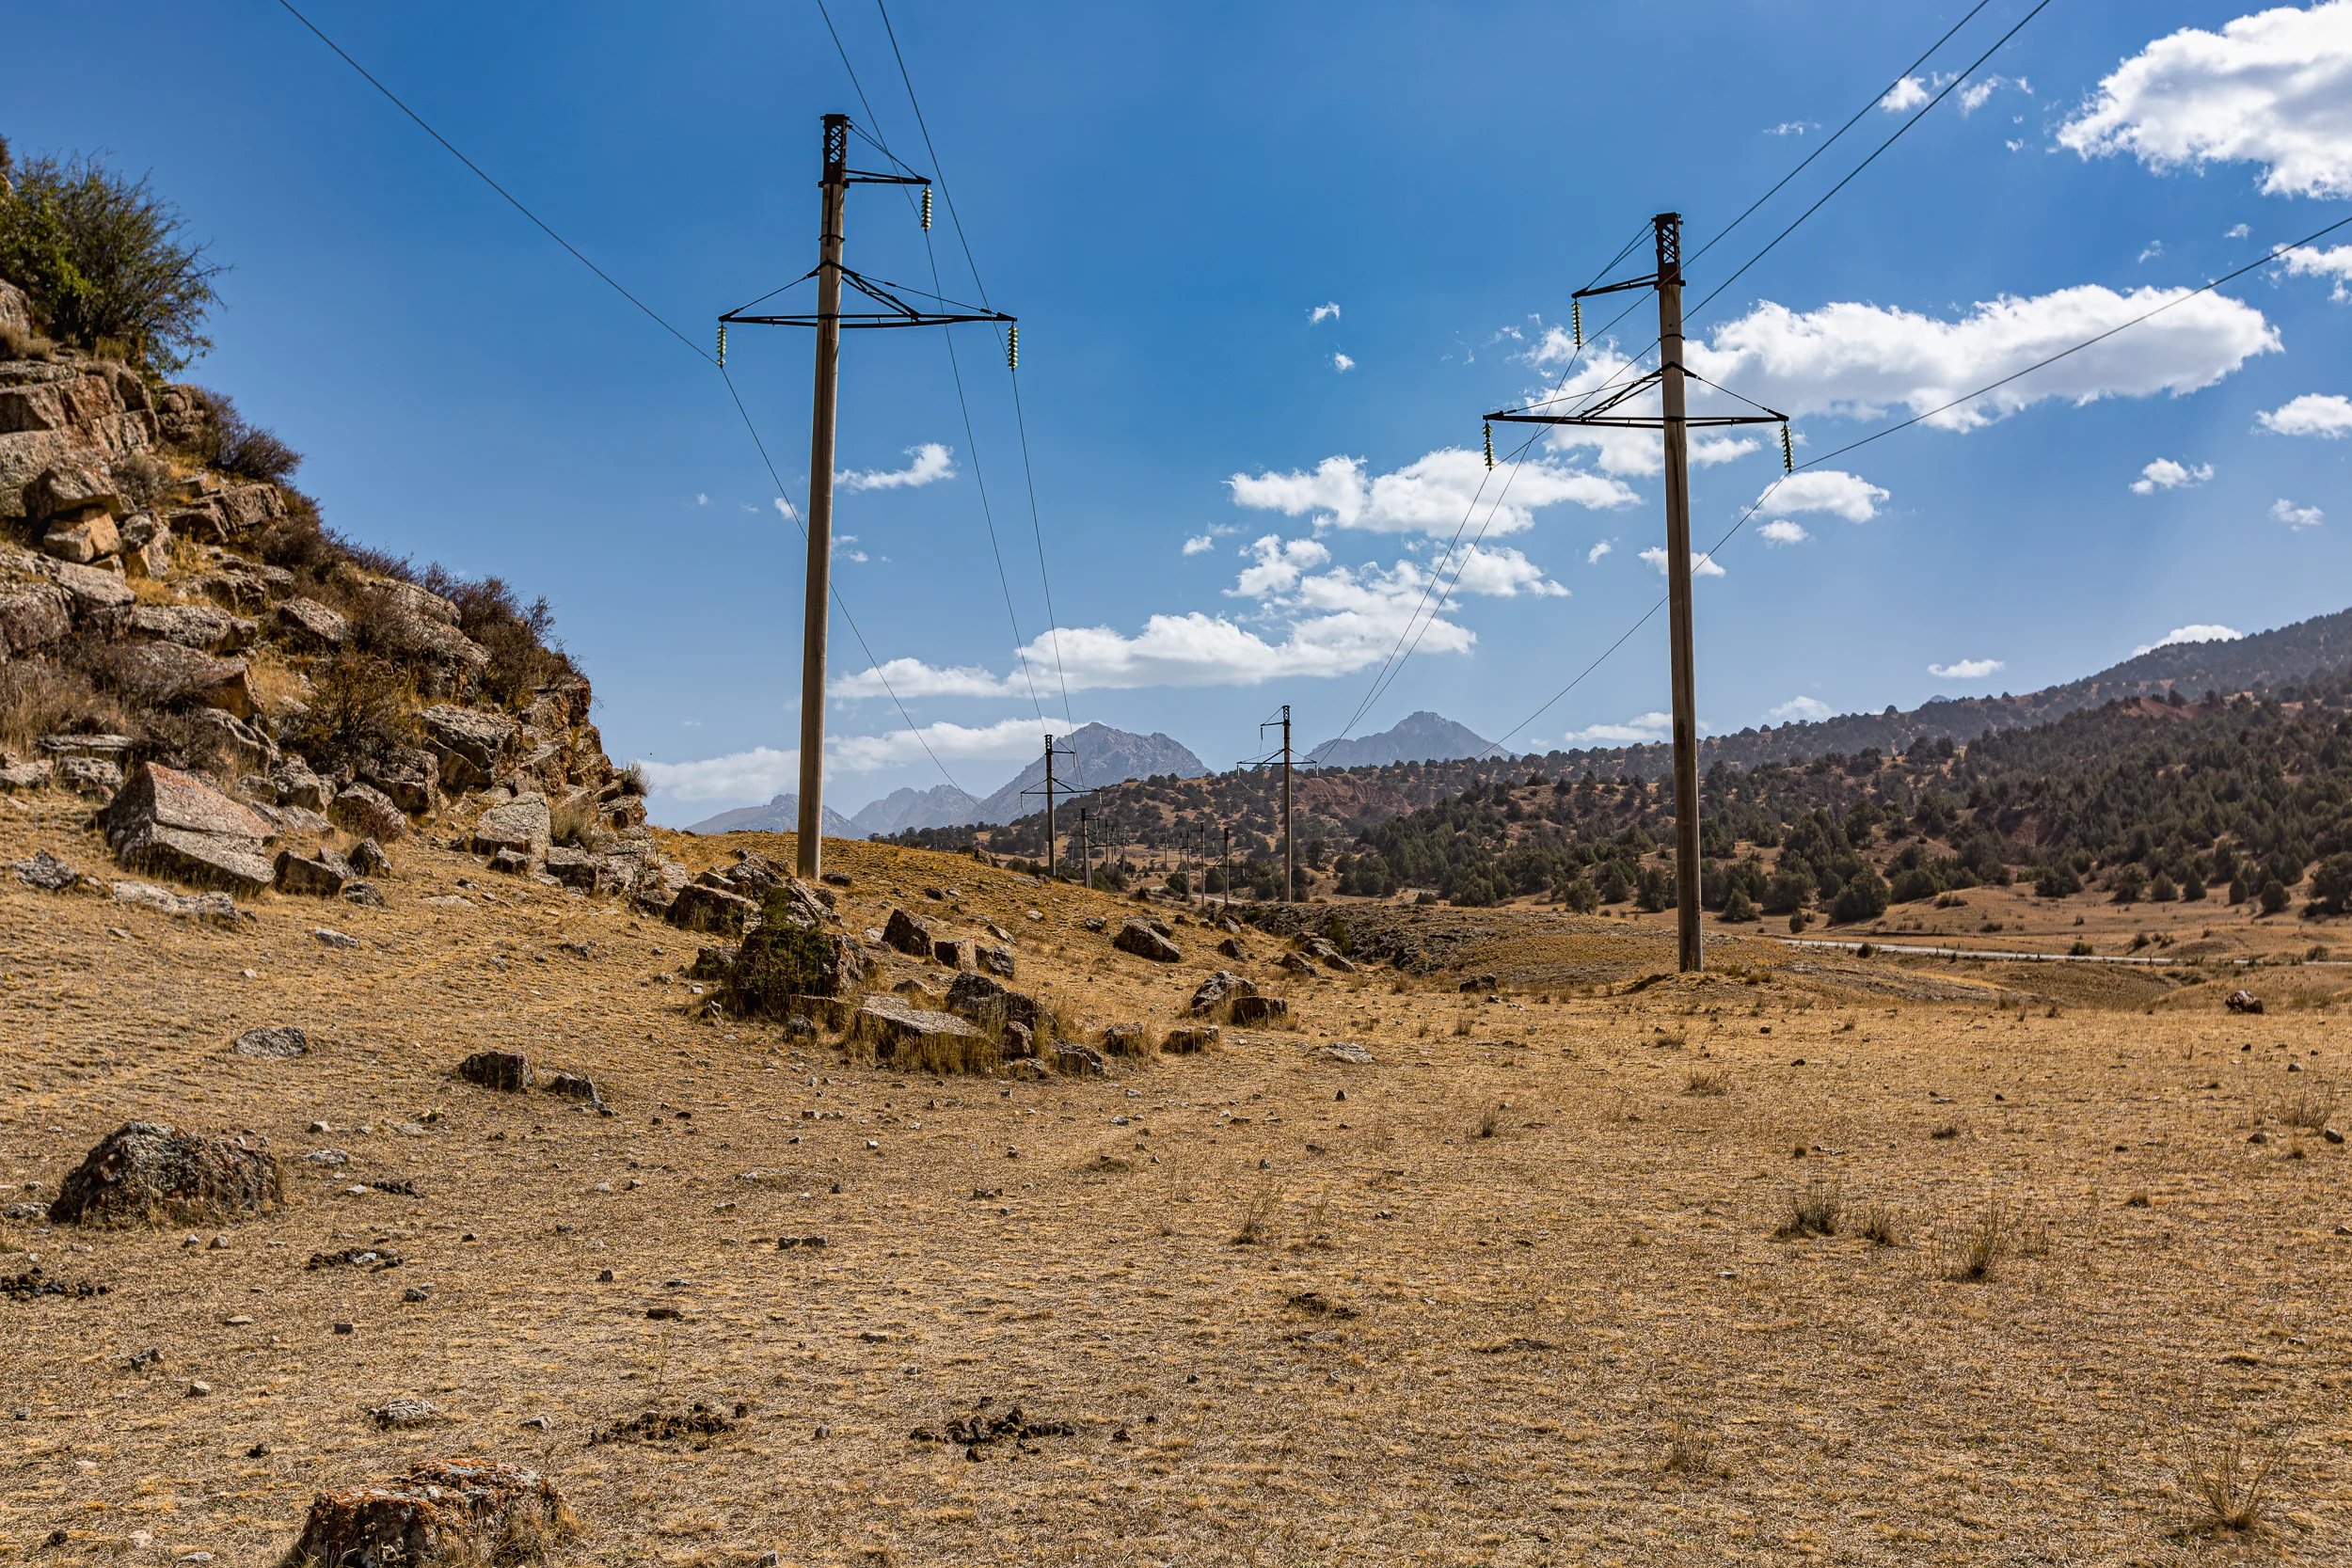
(1256, 1228)
(2312, 1111)
(358, 711)
(1976, 1252)
(1707, 1081)
(1880, 1226)
(1464, 1025)
(38, 698)
(2231, 1479)
(1690, 1449)
(1135, 1041)
(1815, 1209)
(634, 779)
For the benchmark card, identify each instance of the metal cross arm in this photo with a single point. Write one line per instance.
(898, 314)
(1629, 421)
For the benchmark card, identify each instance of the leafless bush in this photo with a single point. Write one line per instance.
(1257, 1216)
(2231, 1479)
(1690, 1449)
(39, 698)
(1707, 1081)
(1880, 1226)
(1491, 1122)
(1815, 1209)
(1977, 1250)
(359, 704)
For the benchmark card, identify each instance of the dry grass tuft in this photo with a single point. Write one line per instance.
(2231, 1479)
(1257, 1216)
(2310, 1110)
(1974, 1253)
(1690, 1449)
(1815, 1209)
(1879, 1227)
(1490, 1120)
(1707, 1081)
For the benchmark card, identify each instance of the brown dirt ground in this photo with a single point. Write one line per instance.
(1446, 1347)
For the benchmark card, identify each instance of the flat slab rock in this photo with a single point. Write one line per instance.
(1138, 937)
(890, 1022)
(277, 1044)
(218, 908)
(168, 821)
(440, 1509)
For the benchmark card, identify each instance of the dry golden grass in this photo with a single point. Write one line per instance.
(1518, 1333)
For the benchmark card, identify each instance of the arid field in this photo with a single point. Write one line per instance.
(1814, 1258)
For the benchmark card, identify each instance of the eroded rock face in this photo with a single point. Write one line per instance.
(166, 821)
(977, 997)
(699, 906)
(368, 811)
(908, 934)
(522, 825)
(145, 1173)
(318, 877)
(437, 1511)
(470, 744)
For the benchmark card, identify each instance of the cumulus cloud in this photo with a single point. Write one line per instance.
(2164, 474)
(1791, 128)
(911, 678)
(765, 771)
(2325, 415)
(1430, 495)
(2272, 88)
(1702, 565)
(1641, 730)
(1909, 93)
(2296, 517)
(1279, 566)
(1966, 669)
(1831, 490)
(1342, 363)
(1800, 710)
(2204, 632)
(1781, 532)
(1321, 313)
(1976, 95)
(1592, 556)
(928, 464)
(1199, 544)
(700, 499)
(2312, 261)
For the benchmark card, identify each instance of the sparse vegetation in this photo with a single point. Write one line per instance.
(2231, 1479)
(1816, 1209)
(104, 260)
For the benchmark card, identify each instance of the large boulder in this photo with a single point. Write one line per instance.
(1259, 1009)
(908, 933)
(440, 1510)
(699, 906)
(32, 615)
(164, 673)
(508, 1071)
(165, 821)
(983, 1000)
(365, 810)
(522, 825)
(201, 626)
(83, 538)
(311, 626)
(322, 877)
(915, 1034)
(143, 1172)
(69, 488)
(1220, 988)
(471, 745)
(409, 599)
(1138, 937)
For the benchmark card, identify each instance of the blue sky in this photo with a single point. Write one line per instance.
(1240, 495)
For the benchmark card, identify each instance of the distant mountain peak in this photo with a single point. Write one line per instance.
(779, 815)
(1424, 736)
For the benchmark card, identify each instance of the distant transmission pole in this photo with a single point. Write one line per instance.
(1283, 754)
(1085, 853)
(1676, 424)
(829, 320)
(1050, 790)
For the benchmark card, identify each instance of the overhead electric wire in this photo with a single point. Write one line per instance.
(1021, 422)
(1921, 419)
(656, 317)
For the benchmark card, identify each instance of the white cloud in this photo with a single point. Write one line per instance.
(1322, 313)
(1966, 669)
(2336, 262)
(2325, 415)
(1594, 555)
(2238, 232)
(1199, 544)
(1600, 368)
(910, 678)
(1976, 95)
(765, 770)
(1909, 93)
(1638, 731)
(2201, 633)
(1791, 128)
(1428, 496)
(2273, 88)
(755, 774)
(2164, 474)
(700, 499)
(2152, 251)
(1862, 359)
(1802, 710)
(1279, 565)
(1702, 565)
(931, 463)
(1342, 363)
(1831, 490)
(2296, 517)
(1781, 532)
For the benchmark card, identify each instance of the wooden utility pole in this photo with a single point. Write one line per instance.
(1686, 723)
(1675, 423)
(1226, 905)
(815, 616)
(1290, 856)
(829, 320)
(1050, 791)
(1085, 853)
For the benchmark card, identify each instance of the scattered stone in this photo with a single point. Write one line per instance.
(2332, 1134)
(908, 934)
(365, 894)
(32, 1285)
(1138, 937)
(699, 1422)
(144, 1172)
(2258, 1138)
(332, 937)
(45, 871)
(508, 1071)
(16, 776)
(321, 875)
(2242, 1002)
(976, 1432)
(995, 961)
(702, 907)
(1297, 965)
(1232, 948)
(1220, 988)
(165, 820)
(200, 1389)
(440, 1511)
(955, 952)
(1355, 1056)
(1073, 1057)
(273, 1044)
(93, 776)
(1018, 1040)
(368, 859)
(1097, 923)
(1189, 1041)
(572, 1085)
(984, 1001)
(1259, 1009)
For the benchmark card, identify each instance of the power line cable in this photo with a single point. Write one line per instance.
(1020, 423)
(655, 316)
(1920, 419)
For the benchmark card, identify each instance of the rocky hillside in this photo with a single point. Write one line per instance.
(187, 645)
